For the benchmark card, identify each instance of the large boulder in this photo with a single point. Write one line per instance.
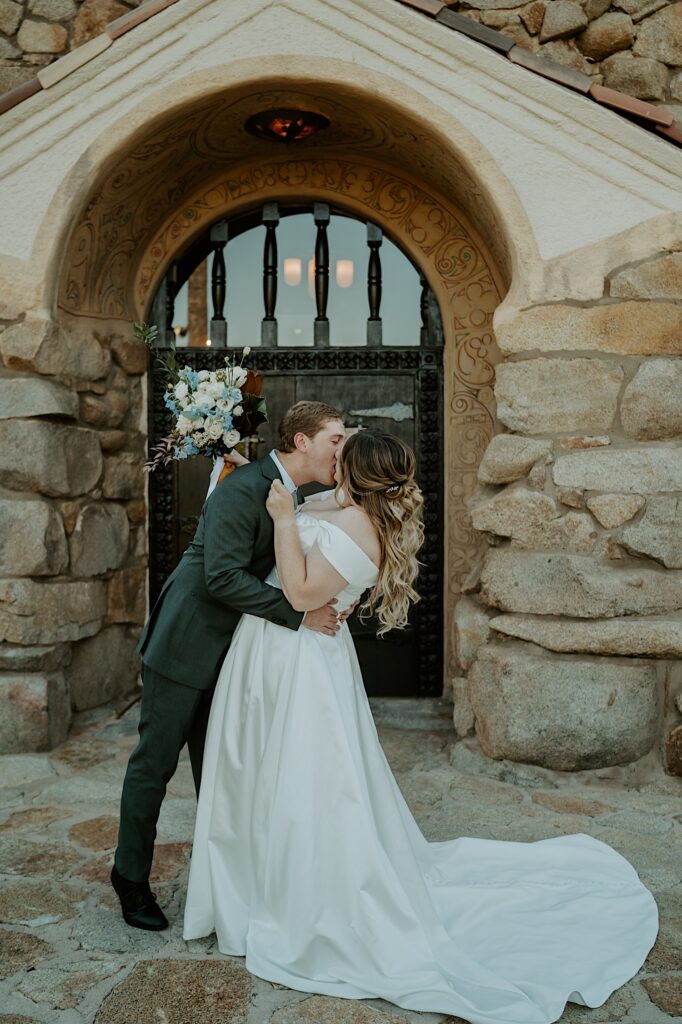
(19, 659)
(127, 596)
(640, 77)
(651, 407)
(660, 36)
(35, 712)
(48, 613)
(47, 457)
(660, 278)
(658, 533)
(562, 18)
(612, 510)
(102, 667)
(639, 471)
(654, 637)
(540, 396)
(32, 396)
(41, 346)
(563, 713)
(130, 354)
(533, 520)
(509, 457)
(99, 541)
(575, 585)
(104, 411)
(472, 630)
(32, 539)
(612, 32)
(628, 328)
(124, 477)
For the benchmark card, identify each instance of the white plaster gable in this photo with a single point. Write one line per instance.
(557, 164)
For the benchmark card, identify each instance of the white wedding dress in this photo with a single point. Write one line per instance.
(308, 862)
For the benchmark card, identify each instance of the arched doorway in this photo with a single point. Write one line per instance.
(194, 168)
(354, 325)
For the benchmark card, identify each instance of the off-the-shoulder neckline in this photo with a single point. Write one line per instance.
(327, 522)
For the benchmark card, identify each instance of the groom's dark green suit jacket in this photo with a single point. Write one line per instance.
(219, 578)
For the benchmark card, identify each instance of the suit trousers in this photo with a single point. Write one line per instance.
(170, 716)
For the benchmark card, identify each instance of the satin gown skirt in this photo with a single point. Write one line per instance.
(308, 861)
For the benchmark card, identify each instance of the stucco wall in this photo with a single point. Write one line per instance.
(634, 46)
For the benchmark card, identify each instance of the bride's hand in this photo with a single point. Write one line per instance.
(235, 459)
(279, 503)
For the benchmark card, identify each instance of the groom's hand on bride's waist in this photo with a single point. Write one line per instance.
(323, 620)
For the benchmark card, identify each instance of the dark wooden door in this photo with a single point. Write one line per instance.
(398, 390)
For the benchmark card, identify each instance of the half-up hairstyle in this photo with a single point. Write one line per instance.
(377, 473)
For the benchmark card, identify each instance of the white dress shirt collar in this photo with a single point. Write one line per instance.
(286, 479)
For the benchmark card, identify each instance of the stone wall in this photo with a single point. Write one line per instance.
(570, 632)
(72, 526)
(634, 46)
(33, 33)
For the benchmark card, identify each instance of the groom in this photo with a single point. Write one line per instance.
(218, 579)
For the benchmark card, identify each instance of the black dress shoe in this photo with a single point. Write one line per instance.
(138, 903)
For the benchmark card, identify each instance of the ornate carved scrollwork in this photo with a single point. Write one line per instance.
(105, 275)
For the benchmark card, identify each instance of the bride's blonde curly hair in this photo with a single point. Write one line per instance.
(377, 473)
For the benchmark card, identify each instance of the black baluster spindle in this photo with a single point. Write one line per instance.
(171, 292)
(424, 311)
(374, 324)
(268, 330)
(321, 328)
(218, 328)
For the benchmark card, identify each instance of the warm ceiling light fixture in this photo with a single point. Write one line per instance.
(286, 125)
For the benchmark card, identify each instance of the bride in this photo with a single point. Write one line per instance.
(306, 858)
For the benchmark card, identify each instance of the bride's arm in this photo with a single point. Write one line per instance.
(307, 583)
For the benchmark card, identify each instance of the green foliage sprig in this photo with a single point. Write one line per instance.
(148, 334)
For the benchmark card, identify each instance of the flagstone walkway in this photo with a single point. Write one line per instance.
(66, 956)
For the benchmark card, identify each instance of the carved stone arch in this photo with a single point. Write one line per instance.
(432, 230)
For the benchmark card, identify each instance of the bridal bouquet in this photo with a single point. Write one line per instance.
(213, 409)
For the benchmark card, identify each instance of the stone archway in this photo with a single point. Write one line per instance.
(432, 230)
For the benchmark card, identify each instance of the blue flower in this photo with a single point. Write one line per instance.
(190, 377)
(171, 404)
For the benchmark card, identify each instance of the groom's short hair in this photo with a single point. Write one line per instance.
(304, 418)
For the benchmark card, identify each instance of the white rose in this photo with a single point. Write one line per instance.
(224, 405)
(214, 430)
(181, 390)
(203, 375)
(237, 411)
(231, 438)
(184, 426)
(239, 375)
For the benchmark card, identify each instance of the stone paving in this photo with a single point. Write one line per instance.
(66, 957)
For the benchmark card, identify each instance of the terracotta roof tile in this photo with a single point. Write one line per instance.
(550, 69)
(672, 132)
(629, 105)
(481, 33)
(19, 93)
(118, 28)
(53, 73)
